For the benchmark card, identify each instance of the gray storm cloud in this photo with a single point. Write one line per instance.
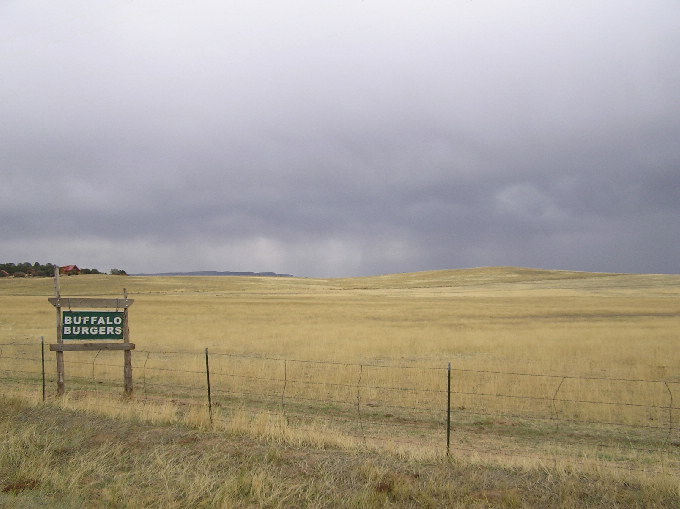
(341, 138)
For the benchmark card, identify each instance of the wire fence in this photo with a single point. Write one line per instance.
(575, 421)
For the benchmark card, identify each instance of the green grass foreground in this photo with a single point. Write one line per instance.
(52, 457)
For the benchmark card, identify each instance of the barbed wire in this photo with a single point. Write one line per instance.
(20, 371)
(561, 400)
(386, 388)
(376, 411)
(568, 377)
(529, 417)
(388, 366)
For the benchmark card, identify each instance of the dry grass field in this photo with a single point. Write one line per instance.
(556, 370)
(60, 458)
(544, 321)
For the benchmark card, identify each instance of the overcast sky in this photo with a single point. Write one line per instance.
(339, 138)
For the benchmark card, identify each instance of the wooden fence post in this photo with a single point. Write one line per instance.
(61, 388)
(127, 354)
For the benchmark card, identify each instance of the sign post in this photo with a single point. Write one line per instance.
(60, 353)
(95, 324)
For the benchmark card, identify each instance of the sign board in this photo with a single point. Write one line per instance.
(93, 325)
(97, 325)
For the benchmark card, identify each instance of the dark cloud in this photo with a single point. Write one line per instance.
(341, 138)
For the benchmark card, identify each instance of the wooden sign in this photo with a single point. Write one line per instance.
(93, 324)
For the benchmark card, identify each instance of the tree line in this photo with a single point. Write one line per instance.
(42, 270)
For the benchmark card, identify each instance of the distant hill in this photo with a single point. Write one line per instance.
(216, 273)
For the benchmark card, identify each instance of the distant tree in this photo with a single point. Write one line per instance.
(35, 269)
(118, 272)
(8, 267)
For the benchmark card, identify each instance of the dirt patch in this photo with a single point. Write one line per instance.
(19, 486)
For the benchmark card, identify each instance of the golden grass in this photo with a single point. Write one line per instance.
(61, 457)
(549, 321)
(557, 347)
(496, 319)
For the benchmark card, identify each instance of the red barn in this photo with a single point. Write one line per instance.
(69, 270)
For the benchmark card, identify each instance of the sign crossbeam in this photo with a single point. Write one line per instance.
(86, 347)
(90, 303)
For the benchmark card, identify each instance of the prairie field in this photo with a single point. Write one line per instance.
(560, 322)
(548, 369)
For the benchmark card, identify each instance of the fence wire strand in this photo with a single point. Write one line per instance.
(366, 408)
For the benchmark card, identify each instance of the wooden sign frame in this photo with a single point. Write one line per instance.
(60, 347)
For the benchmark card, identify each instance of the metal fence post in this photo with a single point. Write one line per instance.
(448, 411)
(42, 355)
(207, 374)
